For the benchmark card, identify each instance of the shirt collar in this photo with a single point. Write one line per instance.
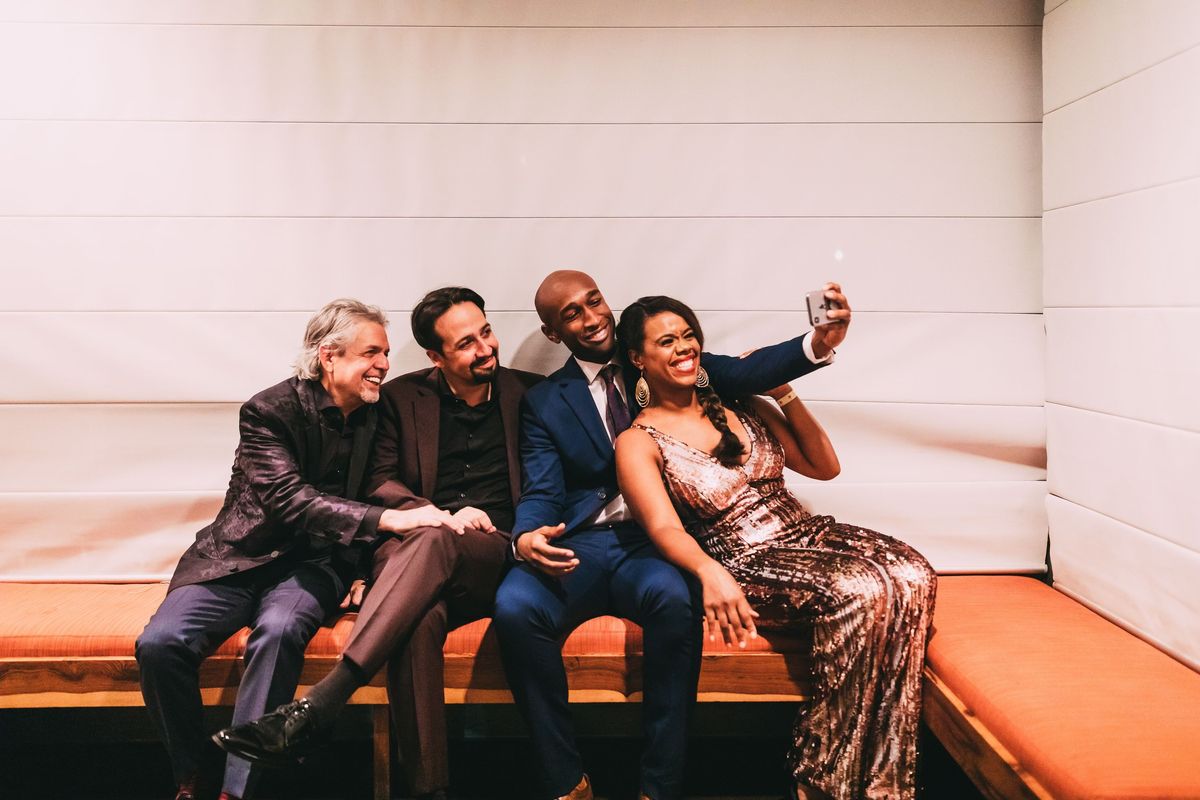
(591, 370)
(446, 390)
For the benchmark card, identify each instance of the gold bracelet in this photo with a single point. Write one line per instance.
(787, 398)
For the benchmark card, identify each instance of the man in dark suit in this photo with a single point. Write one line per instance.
(582, 554)
(278, 557)
(447, 438)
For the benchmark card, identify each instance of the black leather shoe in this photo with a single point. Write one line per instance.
(276, 739)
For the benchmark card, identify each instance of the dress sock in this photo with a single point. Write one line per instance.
(332, 692)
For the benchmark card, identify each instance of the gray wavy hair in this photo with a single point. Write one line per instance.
(333, 326)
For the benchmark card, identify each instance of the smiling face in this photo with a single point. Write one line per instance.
(670, 354)
(352, 377)
(470, 351)
(576, 314)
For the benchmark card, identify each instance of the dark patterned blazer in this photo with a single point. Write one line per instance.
(404, 462)
(270, 506)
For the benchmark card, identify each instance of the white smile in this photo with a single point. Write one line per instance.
(685, 365)
(375, 379)
(598, 335)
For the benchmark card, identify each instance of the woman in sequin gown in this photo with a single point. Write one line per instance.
(706, 482)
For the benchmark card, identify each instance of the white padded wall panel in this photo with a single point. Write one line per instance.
(290, 169)
(1091, 45)
(1050, 5)
(100, 536)
(1143, 131)
(190, 446)
(1145, 582)
(140, 535)
(1133, 362)
(504, 74)
(1135, 472)
(531, 12)
(226, 357)
(959, 527)
(137, 447)
(1136, 249)
(167, 230)
(271, 264)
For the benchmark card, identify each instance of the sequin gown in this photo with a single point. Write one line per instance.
(868, 598)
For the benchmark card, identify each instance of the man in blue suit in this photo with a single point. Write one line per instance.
(582, 556)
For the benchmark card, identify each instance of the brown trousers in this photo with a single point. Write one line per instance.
(425, 584)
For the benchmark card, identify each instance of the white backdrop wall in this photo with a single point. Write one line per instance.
(185, 181)
(1122, 289)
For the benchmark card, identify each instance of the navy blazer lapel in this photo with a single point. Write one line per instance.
(427, 414)
(573, 385)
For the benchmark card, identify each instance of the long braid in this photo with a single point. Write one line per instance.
(730, 449)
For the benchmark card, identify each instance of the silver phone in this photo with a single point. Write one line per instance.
(819, 307)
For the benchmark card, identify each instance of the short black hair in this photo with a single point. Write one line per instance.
(431, 308)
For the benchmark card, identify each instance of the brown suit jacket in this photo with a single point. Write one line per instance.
(271, 505)
(403, 468)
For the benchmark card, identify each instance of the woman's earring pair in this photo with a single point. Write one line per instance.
(641, 390)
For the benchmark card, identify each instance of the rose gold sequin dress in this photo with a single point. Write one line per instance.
(868, 597)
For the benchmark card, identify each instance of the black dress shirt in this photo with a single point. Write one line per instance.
(472, 458)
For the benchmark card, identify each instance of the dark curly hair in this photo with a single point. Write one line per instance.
(631, 338)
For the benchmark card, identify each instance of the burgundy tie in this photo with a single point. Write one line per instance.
(618, 412)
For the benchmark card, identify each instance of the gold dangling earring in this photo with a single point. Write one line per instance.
(701, 379)
(641, 391)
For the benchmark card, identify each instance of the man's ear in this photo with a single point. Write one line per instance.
(550, 334)
(326, 355)
(437, 358)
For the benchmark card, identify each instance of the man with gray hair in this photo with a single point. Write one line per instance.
(282, 550)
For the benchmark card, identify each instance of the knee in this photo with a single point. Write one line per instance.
(161, 645)
(667, 597)
(520, 612)
(289, 631)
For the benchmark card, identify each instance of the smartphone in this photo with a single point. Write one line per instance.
(819, 308)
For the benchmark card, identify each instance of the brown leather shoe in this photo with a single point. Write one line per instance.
(583, 791)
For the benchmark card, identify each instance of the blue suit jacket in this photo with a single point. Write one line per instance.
(567, 463)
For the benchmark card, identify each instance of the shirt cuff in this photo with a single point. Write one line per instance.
(369, 527)
(512, 543)
(808, 352)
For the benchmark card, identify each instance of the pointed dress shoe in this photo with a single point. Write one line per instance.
(276, 739)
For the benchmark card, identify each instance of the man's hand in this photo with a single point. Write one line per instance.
(535, 547)
(354, 597)
(475, 519)
(725, 607)
(396, 521)
(826, 337)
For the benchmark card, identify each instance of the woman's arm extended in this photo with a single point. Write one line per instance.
(639, 471)
(806, 447)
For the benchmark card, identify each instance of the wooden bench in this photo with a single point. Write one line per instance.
(1034, 695)
(71, 645)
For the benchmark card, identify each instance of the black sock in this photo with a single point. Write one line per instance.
(332, 692)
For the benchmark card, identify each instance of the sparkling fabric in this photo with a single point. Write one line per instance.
(868, 597)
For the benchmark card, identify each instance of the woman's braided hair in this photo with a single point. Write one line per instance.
(631, 337)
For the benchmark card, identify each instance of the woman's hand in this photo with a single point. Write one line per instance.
(725, 606)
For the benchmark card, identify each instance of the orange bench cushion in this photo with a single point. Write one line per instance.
(42, 620)
(1088, 709)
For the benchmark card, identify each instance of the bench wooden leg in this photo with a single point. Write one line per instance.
(382, 741)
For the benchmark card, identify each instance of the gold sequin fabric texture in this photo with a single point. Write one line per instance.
(867, 597)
